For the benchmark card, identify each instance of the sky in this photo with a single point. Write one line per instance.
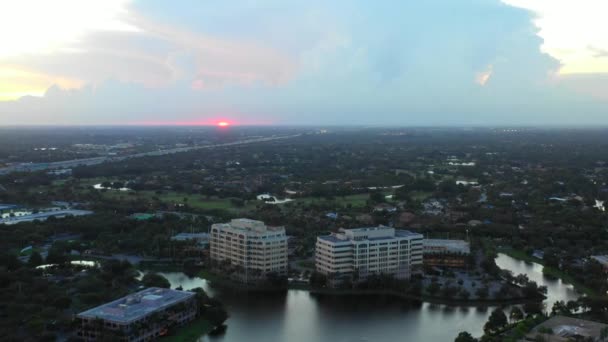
(313, 62)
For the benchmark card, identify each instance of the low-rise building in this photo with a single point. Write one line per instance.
(142, 316)
(251, 245)
(43, 216)
(564, 329)
(602, 259)
(438, 246)
(201, 239)
(358, 253)
(446, 253)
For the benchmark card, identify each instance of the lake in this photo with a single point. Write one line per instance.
(297, 316)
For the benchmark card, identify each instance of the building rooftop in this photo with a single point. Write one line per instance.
(190, 236)
(343, 235)
(45, 215)
(567, 329)
(332, 238)
(405, 233)
(445, 242)
(246, 224)
(368, 229)
(602, 259)
(136, 306)
(142, 216)
(8, 206)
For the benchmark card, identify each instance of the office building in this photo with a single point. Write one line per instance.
(251, 245)
(358, 253)
(142, 316)
(446, 253)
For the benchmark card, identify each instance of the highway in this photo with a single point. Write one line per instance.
(66, 164)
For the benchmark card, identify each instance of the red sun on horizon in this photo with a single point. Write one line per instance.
(223, 124)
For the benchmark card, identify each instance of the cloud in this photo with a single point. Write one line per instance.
(569, 29)
(599, 53)
(483, 77)
(138, 49)
(315, 62)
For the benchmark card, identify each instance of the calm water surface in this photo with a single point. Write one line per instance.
(298, 316)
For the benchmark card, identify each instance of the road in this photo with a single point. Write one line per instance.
(29, 167)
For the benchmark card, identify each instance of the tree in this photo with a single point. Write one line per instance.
(10, 261)
(465, 337)
(516, 314)
(56, 256)
(533, 308)
(318, 280)
(35, 259)
(376, 197)
(433, 288)
(482, 292)
(560, 308)
(216, 315)
(155, 280)
(62, 302)
(237, 202)
(497, 320)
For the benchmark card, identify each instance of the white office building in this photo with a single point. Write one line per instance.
(361, 252)
(251, 245)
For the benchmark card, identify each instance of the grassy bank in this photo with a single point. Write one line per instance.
(547, 270)
(191, 332)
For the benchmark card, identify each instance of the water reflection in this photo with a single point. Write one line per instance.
(556, 289)
(298, 316)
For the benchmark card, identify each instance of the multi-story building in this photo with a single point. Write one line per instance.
(446, 253)
(358, 253)
(142, 316)
(251, 245)
(438, 246)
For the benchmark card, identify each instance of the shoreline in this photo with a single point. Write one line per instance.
(548, 271)
(232, 286)
(426, 299)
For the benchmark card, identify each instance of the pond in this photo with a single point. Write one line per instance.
(297, 316)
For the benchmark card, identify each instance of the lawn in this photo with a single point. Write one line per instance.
(420, 195)
(198, 201)
(191, 332)
(358, 200)
(194, 201)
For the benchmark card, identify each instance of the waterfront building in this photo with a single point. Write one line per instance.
(438, 246)
(358, 253)
(564, 329)
(142, 316)
(251, 245)
(446, 253)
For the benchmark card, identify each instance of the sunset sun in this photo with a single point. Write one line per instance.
(223, 124)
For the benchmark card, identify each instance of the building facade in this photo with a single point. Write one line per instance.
(251, 245)
(358, 253)
(446, 253)
(142, 316)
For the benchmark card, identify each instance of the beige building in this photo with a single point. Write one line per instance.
(361, 252)
(251, 245)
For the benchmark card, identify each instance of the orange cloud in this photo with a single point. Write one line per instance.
(483, 77)
(18, 82)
